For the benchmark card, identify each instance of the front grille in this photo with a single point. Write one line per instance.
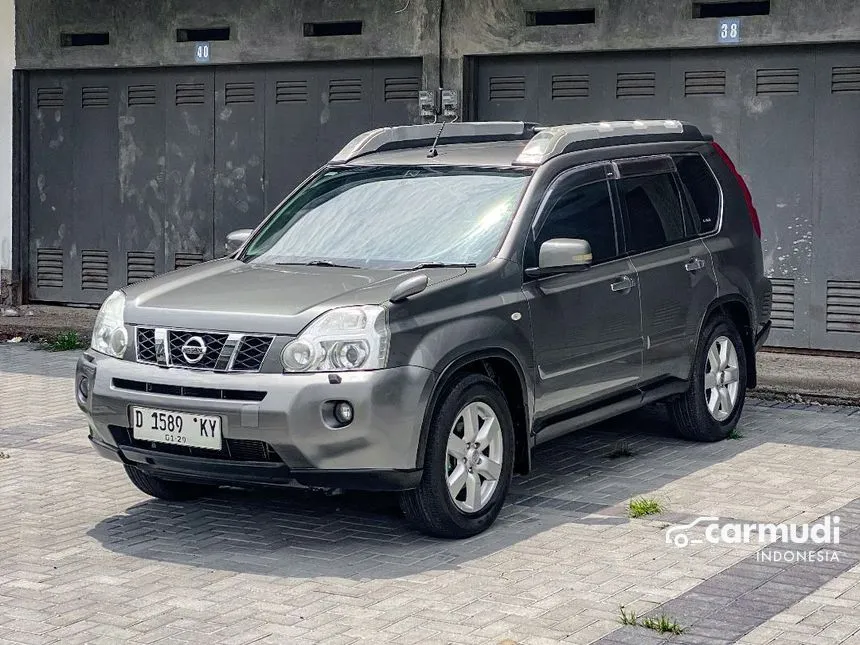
(193, 392)
(221, 352)
(231, 449)
(252, 351)
(146, 345)
(212, 343)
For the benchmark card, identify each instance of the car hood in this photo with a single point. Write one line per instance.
(227, 295)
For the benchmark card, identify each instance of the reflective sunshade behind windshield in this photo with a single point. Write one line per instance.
(393, 217)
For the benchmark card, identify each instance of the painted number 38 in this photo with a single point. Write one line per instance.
(729, 30)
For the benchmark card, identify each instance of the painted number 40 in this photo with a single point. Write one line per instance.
(201, 53)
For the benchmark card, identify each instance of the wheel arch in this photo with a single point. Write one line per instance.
(739, 311)
(506, 371)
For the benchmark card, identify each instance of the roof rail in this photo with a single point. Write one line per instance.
(552, 141)
(414, 136)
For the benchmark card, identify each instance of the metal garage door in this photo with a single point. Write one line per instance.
(133, 173)
(788, 118)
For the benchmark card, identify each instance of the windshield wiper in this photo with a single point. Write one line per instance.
(438, 265)
(317, 263)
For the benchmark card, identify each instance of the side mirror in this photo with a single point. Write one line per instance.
(561, 255)
(236, 239)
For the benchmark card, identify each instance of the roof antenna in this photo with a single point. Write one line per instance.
(433, 152)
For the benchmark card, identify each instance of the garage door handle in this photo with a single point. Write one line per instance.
(622, 285)
(695, 264)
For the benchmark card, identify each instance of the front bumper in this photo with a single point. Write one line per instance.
(280, 439)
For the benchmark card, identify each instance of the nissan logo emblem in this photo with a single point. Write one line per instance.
(194, 350)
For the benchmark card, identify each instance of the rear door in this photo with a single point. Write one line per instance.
(676, 274)
(586, 325)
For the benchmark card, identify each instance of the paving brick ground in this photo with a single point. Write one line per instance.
(86, 558)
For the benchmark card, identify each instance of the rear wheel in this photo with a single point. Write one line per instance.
(468, 462)
(710, 408)
(164, 489)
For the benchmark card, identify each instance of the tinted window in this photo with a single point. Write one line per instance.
(392, 217)
(585, 213)
(703, 194)
(654, 215)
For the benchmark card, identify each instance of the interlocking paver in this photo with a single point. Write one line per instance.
(84, 557)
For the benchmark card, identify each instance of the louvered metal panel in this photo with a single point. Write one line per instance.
(402, 89)
(507, 88)
(770, 82)
(344, 90)
(845, 80)
(291, 92)
(239, 93)
(570, 86)
(94, 270)
(190, 94)
(141, 95)
(95, 97)
(705, 83)
(629, 85)
(782, 309)
(182, 260)
(49, 98)
(140, 265)
(843, 306)
(49, 268)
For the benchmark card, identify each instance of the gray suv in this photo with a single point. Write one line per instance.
(432, 304)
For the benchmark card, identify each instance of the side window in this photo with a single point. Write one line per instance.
(582, 212)
(703, 194)
(654, 217)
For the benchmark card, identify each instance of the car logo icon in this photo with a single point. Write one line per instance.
(677, 534)
(194, 350)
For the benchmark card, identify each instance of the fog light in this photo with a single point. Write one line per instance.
(84, 387)
(343, 412)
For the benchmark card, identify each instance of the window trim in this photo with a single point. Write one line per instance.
(610, 174)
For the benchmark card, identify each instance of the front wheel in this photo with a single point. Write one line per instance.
(468, 461)
(710, 408)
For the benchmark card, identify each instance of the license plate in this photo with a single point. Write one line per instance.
(177, 428)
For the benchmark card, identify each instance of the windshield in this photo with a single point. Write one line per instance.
(392, 217)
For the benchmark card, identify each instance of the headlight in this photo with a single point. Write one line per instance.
(109, 335)
(348, 338)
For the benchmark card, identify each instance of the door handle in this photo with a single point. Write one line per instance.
(623, 284)
(694, 264)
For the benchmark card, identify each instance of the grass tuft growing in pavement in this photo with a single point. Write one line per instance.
(4, 455)
(664, 625)
(621, 449)
(64, 342)
(629, 617)
(642, 506)
(735, 434)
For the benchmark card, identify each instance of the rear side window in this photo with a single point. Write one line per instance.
(654, 217)
(703, 194)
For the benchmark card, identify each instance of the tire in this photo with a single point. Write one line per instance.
(690, 412)
(164, 489)
(431, 507)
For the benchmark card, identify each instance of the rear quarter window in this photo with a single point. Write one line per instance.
(702, 192)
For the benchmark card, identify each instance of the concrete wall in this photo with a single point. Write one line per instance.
(143, 33)
(7, 62)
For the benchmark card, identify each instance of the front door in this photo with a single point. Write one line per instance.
(586, 325)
